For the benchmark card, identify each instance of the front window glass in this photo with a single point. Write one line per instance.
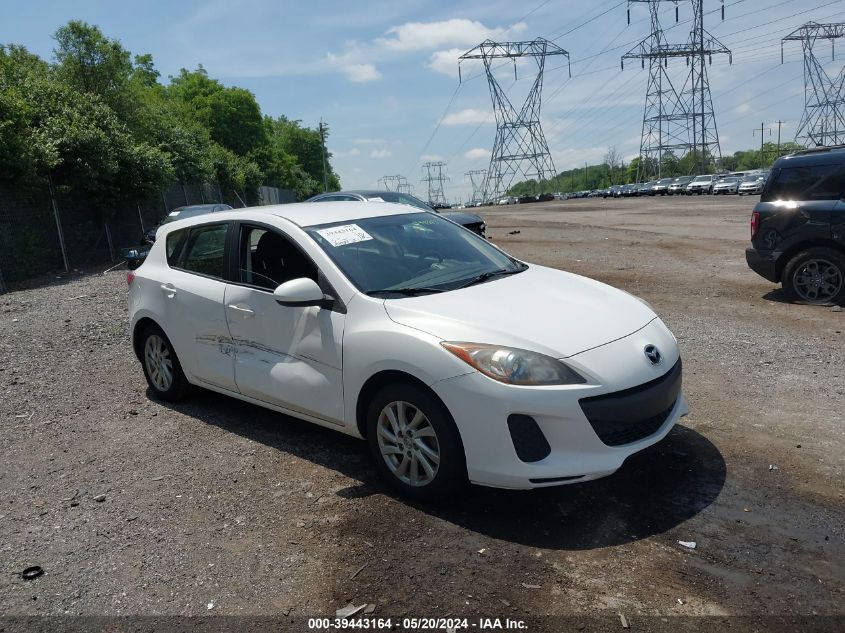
(401, 198)
(812, 182)
(268, 259)
(411, 253)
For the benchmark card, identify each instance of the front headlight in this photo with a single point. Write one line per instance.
(514, 366)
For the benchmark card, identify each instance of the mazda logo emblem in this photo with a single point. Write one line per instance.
(653, 354)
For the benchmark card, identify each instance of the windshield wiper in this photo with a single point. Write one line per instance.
(405, 291)
(501, 272)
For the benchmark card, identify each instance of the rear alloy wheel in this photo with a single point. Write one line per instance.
(415, 443)
(161, 366)
(815, 276)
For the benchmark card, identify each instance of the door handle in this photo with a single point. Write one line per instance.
(243, 310)
(169, 290)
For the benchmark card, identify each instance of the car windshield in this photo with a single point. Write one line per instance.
(413, 253)
(752, 178)
(702, 179)
(729, 179)
(664, 181)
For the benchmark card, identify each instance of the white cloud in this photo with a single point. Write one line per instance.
(477, 154)
(470, 116)
(350, 64)
(413, 36)
(380, 153)
(352, 152)
(446, 62)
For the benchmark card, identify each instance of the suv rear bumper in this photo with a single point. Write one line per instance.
(764, 263)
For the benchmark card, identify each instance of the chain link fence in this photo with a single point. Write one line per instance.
(43, 230)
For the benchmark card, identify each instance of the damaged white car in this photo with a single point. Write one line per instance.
(455, 361)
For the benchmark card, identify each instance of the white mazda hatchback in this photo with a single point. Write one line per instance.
(455, 361)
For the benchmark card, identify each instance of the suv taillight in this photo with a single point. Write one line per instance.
(755, 223)
(130, 277)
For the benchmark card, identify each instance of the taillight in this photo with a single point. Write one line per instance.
(130, 277)
(755, 223)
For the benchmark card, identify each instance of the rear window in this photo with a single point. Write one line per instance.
(811, 182)
(174, 244)
(205, 249)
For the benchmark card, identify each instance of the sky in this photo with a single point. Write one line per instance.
(383, 74)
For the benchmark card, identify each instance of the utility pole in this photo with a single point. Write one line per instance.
(323, 143)
(779, 124)
(823, 120)
(519, 146)
(762, 133)
(585, 175)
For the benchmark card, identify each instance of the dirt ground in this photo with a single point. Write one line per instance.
(213, 506)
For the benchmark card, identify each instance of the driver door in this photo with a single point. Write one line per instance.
(286, 356)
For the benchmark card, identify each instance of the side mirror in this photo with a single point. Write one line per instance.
(300, 292)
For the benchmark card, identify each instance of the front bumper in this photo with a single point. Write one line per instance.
(481, 408)
(763, 262)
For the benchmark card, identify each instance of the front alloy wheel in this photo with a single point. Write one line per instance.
(415, 444)
(408, 443)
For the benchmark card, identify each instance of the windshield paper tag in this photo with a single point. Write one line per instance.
(343, 235)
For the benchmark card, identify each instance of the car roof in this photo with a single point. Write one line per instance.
(813, 156)
(307, 214)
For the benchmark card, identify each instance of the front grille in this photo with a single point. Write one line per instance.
(621, 433)
(624, 417)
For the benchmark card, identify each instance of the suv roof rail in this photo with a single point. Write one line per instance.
(815, 150)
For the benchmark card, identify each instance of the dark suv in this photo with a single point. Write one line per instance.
(798, 227)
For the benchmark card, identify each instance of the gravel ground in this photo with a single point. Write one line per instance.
(133, 507)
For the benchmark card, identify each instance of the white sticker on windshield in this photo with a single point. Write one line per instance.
(172, 213)
(375, 199)
(343, 235)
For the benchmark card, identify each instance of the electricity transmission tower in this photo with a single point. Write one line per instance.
(823, 121)
(393, 183)
(434, 177)
(677, 121)
(478, 179)
(520, 146)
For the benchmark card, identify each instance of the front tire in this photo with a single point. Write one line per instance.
(815, 276)
(161, 366)
(415, 443)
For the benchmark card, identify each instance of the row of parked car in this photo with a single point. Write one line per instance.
(741, 183)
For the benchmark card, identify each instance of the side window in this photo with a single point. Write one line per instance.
(267, 259)
(204, 252)
(174, 244)
(814, 182)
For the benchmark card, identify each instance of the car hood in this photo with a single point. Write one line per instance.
(541, 309)
(461, 217)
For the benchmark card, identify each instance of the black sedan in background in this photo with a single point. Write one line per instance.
(473, 222)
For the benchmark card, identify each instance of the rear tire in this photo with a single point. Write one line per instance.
(415, 443)
(161, 366)
(815, 276)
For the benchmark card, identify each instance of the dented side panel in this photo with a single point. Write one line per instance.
(287, 356)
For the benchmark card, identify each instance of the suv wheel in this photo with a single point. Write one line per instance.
(815, 276)
(415, 443)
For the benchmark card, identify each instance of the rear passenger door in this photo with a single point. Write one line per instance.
(194, 296)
